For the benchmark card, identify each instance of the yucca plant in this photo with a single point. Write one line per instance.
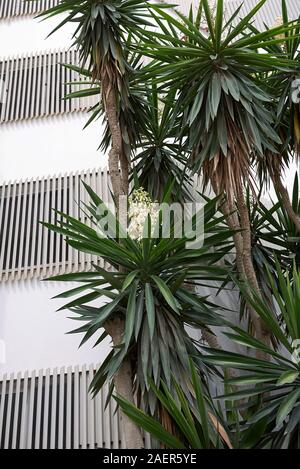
(270, 388)
(284, 86)
(202, 424)
(225, 110)
(149, 294)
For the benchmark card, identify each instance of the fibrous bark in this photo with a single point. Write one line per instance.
(124, 385)
(118, 170)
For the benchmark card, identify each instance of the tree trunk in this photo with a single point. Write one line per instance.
(263, 333)
(124, 385)
(118, 171)
(117, 161)
(243, 246)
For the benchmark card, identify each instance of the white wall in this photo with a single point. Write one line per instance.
(24, 35)
(34, 334)
(42, 147)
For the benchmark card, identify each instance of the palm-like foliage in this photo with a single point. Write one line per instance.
(149, 294)
(101, 30)
(159, 155)
(131, 110)
(274, 234)
(200, 424)
(272, 386)
(282, 84)
(224, 109)
(149, 132)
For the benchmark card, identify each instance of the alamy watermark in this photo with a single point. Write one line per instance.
(296, 351)
(140, 218)
(296, 91)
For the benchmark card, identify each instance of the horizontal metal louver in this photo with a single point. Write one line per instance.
(53, 409)
(11, 8)
(27, 249)
(35, 85)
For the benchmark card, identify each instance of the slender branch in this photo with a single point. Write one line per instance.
(286, 202)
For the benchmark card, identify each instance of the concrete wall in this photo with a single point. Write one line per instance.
(34, 334)
(52, 145)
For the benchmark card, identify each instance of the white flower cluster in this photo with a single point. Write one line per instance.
(140, 207)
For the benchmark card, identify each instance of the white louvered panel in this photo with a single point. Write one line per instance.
(9, 84)
(68, 78)
(24, 85)
(16, 412)
(51, 409)
(33, 227)
(81, 217)
(5, 197)
(61, 420)
(28, 249)
(48, 83)
(64, 208)
(2, 407)
(33, 73)
(43, 85)
(40, 195)
(76, 407)
(8, 423)
(62, 81)
(23, 426)
(4, 74)
(34, 86)
(26, 108)
(53, 236)
(16, 228)
(86, 179)
(72, 261)
(46, 410)
(11, 8)
(90, 411)
(44, 231)
(19, 80)
(37, 97)
(106, 420)
(69, 409)
(8, 248)
(58, 269)
(38, 411)
(83, 409)
(29, 423)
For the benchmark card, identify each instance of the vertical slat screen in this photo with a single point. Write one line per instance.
(53, 409)
(33, 86)
(27, 249)
(11, 8)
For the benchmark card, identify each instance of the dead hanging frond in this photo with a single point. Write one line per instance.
(233, 169)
